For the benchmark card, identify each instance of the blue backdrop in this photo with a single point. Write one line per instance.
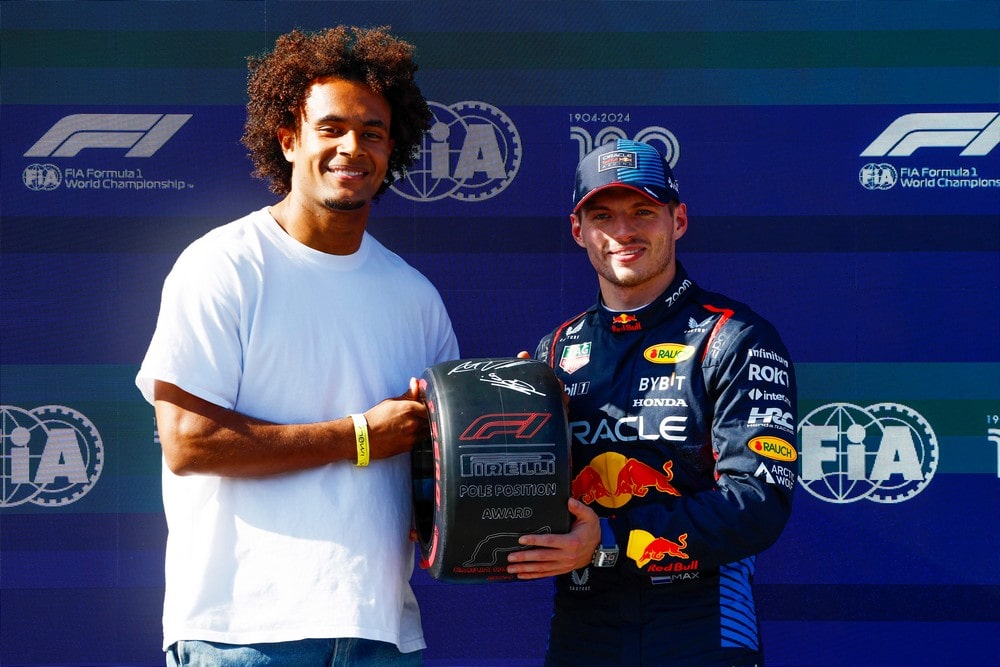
(841, 166)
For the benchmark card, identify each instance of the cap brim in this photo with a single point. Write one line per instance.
(626, 186)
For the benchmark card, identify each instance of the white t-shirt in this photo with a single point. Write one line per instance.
(254, 321)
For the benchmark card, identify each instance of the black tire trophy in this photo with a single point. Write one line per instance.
(497, 465)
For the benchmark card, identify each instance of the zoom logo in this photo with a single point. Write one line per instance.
(976, 133)
(472, 152)
(141, 133)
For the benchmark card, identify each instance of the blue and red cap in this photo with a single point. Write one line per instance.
(629, 164)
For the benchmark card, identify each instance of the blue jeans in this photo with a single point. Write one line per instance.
(345, 652)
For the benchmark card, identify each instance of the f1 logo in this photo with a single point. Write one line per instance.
(142, 133)
(521, 425)
(976, 133)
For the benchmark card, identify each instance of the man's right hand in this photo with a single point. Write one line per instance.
(397, 425)
(199, 437)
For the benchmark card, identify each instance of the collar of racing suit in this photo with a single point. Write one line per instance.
(634, 320)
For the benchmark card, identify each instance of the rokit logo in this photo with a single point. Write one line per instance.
(52, 456)
(471, 153)
(139, 135)
(925, 134)
(885, 453)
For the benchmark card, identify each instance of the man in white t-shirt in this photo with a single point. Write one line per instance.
(282, 373)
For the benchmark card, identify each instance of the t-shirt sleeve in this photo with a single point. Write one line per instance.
(750, 503)
(447, 342)
(196, 344)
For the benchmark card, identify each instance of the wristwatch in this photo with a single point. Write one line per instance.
(606, 554)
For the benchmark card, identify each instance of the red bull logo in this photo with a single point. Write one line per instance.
(644, 548)
(627, 477)
(673, 568)
(589, 486)
(668, 353)
(625, 322)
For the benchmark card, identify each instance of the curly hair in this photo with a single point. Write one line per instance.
(279, 82)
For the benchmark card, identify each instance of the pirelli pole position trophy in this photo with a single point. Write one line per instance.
(497, 465)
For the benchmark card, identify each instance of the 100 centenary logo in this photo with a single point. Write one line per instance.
(52, 455)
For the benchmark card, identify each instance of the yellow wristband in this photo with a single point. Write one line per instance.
(361, 437)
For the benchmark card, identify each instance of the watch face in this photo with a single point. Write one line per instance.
(605, 557)
(606, 554)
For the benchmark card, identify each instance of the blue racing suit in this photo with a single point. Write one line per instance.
(683, 417)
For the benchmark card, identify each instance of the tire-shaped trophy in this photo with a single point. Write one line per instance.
(497, 465)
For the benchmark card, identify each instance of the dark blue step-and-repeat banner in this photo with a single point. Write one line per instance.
(841, 166)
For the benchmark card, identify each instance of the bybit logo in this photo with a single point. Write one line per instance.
(141, 133)
(976, 133)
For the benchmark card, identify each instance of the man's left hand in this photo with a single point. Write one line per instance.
(558, 553)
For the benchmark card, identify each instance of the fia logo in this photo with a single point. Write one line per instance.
(53, 455)
(885, 453)
(882, 176)
(471, 153)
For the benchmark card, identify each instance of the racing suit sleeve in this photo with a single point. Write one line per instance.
(741, 507)
(542, 351)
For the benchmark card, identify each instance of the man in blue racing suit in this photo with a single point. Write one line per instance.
(682, 410)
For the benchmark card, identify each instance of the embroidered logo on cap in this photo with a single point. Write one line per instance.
(617, 160)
